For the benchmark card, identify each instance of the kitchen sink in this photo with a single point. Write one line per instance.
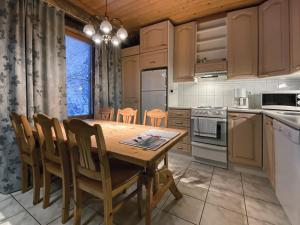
(289, 113)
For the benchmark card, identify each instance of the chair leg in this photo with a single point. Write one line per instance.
(36, 184)
(66, 200)
(140, 196)
(78, 206)
(24, 178)
(108, 215)
(47, 188)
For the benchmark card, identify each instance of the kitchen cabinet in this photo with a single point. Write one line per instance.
(131, 80)
(245, 139)
(156, 59)
(181, 119)
(184, 52)
(268, 149)
(211, 44)
(274, 47)
(242, 43)
(295, 34)
(154, 37)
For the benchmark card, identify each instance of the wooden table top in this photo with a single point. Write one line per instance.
(115, 132)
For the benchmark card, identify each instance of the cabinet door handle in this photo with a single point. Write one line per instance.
(152, 62)
(178, 123)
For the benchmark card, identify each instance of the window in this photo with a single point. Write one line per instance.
(79, 76)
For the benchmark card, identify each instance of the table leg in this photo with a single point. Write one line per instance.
(149, 196)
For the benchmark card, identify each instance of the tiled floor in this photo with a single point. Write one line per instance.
(211, 196)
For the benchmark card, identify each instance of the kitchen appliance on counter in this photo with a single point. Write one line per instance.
(287, 167)
(281, 100)
(209, 135)
(242, 98)
(153, 90)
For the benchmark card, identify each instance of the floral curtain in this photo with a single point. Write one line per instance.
(32, 73)
(108, 79)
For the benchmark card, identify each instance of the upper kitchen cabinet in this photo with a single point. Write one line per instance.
(184, 52)
(131, 77)
(295, 34)
(274, 50)
(211, 50)
(243, 43)
(155, 37)
(245, 139)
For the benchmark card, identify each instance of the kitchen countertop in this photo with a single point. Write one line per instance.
(290, 120)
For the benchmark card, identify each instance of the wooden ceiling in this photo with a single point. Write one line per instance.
(138, 13)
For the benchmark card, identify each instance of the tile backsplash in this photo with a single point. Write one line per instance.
(221, 92)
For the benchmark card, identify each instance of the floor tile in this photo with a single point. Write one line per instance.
(228, 173)
(4, 196)
(89, 217)
(260, 188)
(187, 208)
(199, 175)
(266, 211)
(227, 183)
(226, 199)
(214, 215)
(23, 218)
(26, 199)
(164, 218)
(9, 207)
(192, 189)
(45, 216)
(252, 221)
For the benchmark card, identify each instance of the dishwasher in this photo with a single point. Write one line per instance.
(287, 166)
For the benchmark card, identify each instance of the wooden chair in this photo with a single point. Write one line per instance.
(156, 116)
(100, 176)
(128, 115)
(105, 114)
(29, 154)
(55, 159)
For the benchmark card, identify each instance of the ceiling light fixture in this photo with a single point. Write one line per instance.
(108, 30)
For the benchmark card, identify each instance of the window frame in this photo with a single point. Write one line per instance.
(80, 36)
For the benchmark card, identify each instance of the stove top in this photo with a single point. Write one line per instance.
(209, 111)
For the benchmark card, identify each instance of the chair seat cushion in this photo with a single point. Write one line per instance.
(121, 172)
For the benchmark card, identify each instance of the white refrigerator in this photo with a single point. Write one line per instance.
(154, 90)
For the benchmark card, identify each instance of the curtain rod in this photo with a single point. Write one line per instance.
(84, 19)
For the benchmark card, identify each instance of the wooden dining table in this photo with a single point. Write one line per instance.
(114, 133)
(157, 181)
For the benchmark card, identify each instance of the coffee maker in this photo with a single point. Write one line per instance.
(242, 101)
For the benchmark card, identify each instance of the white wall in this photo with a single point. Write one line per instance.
(221, 93)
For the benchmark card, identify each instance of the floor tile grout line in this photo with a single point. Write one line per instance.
(27, 211)
(212, 174)
(244, 198)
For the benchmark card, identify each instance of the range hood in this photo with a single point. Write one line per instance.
(218, 75)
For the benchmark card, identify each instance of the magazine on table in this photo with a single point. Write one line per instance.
(151, 139)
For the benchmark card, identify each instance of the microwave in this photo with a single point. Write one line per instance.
(283, 100)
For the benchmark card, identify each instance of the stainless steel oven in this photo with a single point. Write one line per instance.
(282, 100)
(209, 135)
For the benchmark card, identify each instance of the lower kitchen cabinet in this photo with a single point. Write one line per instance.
(268, 149)
(181, 119)
(245, 139)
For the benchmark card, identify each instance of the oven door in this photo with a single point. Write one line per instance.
(221, 137)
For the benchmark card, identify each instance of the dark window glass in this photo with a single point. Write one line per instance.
(79, 64)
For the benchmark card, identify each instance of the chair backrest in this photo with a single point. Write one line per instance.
(156, 116)
(105, 114)
(127, 115)
(23, 132)
(82, 140)
(51, 139)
